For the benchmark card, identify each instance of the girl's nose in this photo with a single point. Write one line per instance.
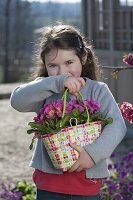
(62, 71)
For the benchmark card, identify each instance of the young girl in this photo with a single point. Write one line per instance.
(67, 61)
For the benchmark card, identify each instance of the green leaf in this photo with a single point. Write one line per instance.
(99, 117)
(96, 117)
(51, 123)
(58, 124)
(29, 197)
(29, 188)
(37, 126)
(65, 120)
(84, 114)
(83, 117)
(109, 120)
(32, 142)
(106, 121)
(76, 113)
(115, 175)
(55, 130)
(31, 131)
(21, 185)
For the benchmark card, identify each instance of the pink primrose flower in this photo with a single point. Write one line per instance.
(128, 59)
(93, 106)
(42, 110)
(55, 109)
(58, 106)
(42, 117)
(50, 111)
(127, 111)
(80, 106)
(72, 102)
(38, 118)
(70, 106)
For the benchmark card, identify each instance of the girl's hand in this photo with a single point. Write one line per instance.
(74, 84)
(84, 161)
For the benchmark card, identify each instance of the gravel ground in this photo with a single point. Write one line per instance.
(14, 143)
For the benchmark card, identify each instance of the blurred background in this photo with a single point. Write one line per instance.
(107, 25)
(20, 24)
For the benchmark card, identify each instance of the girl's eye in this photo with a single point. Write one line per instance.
(69, 62)
(52, 66)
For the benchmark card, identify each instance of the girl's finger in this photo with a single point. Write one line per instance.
(82, 81)
(73, 87)
(79, 83)
(76, 147)
(74, 167)
(75, 94)
(79, 169)
(76, 86)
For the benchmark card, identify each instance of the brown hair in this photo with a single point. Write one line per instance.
(66, 37)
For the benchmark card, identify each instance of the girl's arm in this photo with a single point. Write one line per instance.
(112, 134)
(30, 97)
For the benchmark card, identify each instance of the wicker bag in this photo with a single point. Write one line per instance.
(58, 144)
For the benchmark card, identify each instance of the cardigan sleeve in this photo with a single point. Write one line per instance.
(112, 134)
(29, 97)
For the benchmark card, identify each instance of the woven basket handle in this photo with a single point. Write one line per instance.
(64, 98)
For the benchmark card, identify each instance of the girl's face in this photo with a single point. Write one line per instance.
(62, 61)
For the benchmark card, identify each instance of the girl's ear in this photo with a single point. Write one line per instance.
(84, 59)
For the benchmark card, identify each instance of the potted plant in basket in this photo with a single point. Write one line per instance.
(61, 122)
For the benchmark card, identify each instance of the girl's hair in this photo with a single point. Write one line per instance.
(66, 37)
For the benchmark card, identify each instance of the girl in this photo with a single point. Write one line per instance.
(67, 61)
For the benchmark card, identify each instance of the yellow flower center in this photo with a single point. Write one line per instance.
(51, 112)
(58, 109)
